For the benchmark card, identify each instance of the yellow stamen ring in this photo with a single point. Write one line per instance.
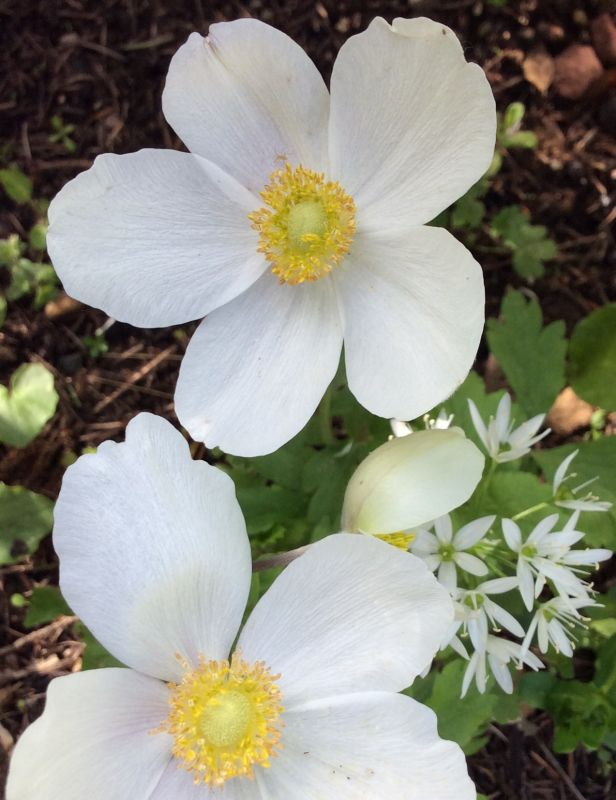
(400, 539)
(306, 226)
(225, 719)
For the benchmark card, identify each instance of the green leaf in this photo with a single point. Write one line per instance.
(511, 492)
(3, 309)
(531, 356)
(25, 519)
(38, 236)
(534, 687)
(27, 405)
(462, 720)
(10, 250)
(17, 185)
(46, 604)
(529, 243)
(592, 358)
(581, 715)
(94, 656)
(595, 459)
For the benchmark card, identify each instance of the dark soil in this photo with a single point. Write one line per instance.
(100, 65)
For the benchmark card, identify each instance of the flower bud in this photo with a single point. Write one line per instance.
(411, 480)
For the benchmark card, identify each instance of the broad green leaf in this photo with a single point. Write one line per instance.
(25, 519)
(27, 405)
(17, 185)
(531, 356)
(46, 604)
(595, 459)
(592, 358)
(463, 720)
(511, 492)
(529, 244)
(534, 687)
(582, 715)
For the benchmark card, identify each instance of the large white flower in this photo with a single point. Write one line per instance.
(297, 221)
(154, 557)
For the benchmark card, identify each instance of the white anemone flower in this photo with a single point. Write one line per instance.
(441, 422)
(297, 221)
(566, 497)
(554, 622)
(501, 440)
(498, 653)
(547, 555)
(155, 558)
(443, 551)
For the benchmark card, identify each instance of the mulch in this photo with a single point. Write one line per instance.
(100, 66)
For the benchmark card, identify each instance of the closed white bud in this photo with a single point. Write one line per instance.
(411, 480)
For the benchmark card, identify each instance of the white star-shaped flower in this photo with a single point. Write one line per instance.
(443, 551)
(297, 221)
(566, 497)
(554, 622)
(547, 555)
(498, 653)
(501, 440)
(155, 559)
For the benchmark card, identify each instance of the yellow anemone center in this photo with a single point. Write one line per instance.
(400, 539)
(306, 226)
(224, 719)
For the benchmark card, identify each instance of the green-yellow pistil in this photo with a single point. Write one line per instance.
(529, 551)
(307, 221)
(305, 226)
(446, 552)
(226, 720)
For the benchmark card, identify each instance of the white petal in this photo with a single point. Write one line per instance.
(542, 634)
(94, 740)
(526, 583)
(406, 482)
(479, 424)
(443, 529)
(498, 585)
(525, 433)
(256, 369)
(503, 415)
(352, 614)
(501, 673)
(153, 550)
(154, 238)
(413, 310)
(373, 746)
(424, 543)
(542, 529)
(469, 673)
(470, 563)
(412, 124)
(478, 631)
(512, 534)
(248, 97)
(561, 472)
(431, 561)
(447, 576)
(587, 556)
(559, 639)
(584, 505)
(472, 532)
(503, 617)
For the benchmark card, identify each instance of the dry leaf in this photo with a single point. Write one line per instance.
(538, 69)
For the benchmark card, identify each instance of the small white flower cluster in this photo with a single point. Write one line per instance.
(541, 561)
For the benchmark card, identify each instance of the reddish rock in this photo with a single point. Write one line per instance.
(603, 35)
(575, 70)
